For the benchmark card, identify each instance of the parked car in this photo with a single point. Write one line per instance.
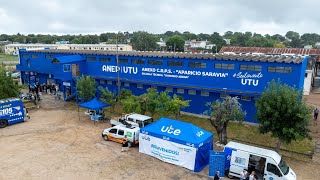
(118, 132)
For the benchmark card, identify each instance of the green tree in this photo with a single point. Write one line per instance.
(189, 36)
(124, 94)
(148, 101)
(176, 104)
(8, 87)
(144, 41)
(221, 112)
(131, 104)
(86, 87)
(163, 101)
(109, 96)
(175, 43)
(281, 112)
(216, 39)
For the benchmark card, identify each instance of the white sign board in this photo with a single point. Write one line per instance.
(66, 83)
(168, 151)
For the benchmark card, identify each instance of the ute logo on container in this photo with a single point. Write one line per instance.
(170, 130)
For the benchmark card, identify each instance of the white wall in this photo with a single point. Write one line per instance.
(307, 83)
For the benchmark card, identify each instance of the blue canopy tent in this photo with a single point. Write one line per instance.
(96, 105)
(177, 142)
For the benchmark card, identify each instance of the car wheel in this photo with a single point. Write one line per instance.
(105, 137)
(3, 123)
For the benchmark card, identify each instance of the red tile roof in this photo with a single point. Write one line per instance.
(271, 51)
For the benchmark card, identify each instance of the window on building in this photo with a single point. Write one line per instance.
(250, 68)
(224, 95)
(169, 89)
(180, 91)
(34, 56)
(25, 55)
(224, 66)
(138, 61)
(123, 61)
(55, 61)
(48, 56)
(105, 59)
(66, 67)
(175, 63)
(306, 75)
(155, 62)
(245, 98)
(121, 49)
(278, 69)
(192, 92)
(204, 93)
(197, 65)
(28, 63)
(126, 84)
(91, 59)
(117, 83)
(109, 82)
(140, 86)
(102, 82)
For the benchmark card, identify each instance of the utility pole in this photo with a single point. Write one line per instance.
(118, 67)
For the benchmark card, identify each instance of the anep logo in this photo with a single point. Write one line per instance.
(170, 130)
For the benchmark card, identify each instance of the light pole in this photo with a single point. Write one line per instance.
(118, 67)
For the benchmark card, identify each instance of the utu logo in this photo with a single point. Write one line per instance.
(170, 130)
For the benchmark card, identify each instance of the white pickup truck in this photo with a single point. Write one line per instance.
(132, 119)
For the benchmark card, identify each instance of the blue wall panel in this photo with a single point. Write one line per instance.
(235, 82)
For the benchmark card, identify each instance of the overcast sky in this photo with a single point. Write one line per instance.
(158, 16)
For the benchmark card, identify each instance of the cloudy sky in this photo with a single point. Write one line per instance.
(158, 16)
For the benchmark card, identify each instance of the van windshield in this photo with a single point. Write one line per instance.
(148, 121)
(284, 167)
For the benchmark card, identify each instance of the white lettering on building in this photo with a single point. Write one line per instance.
(248, 79)
(122, 69)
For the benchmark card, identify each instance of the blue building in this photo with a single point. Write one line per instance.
(200, 78)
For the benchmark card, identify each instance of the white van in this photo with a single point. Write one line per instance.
(133, 119)
(117, 133)
(266, 163)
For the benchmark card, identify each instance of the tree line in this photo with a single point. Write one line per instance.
(145, 41)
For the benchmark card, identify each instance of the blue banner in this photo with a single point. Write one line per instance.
(217, 163)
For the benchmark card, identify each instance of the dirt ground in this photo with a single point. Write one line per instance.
(56, 144)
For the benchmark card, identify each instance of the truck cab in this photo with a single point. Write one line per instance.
(11, 111)
(267, 164)
(132, 119)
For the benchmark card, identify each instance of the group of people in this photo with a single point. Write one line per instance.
(244, 175)
(44, 88)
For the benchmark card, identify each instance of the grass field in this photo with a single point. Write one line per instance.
(238, 132)
(6, 57)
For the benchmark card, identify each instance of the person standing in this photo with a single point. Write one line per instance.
(217, 176)
(243, 174)
(252, 176)
(125, 144)
(315, 114)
